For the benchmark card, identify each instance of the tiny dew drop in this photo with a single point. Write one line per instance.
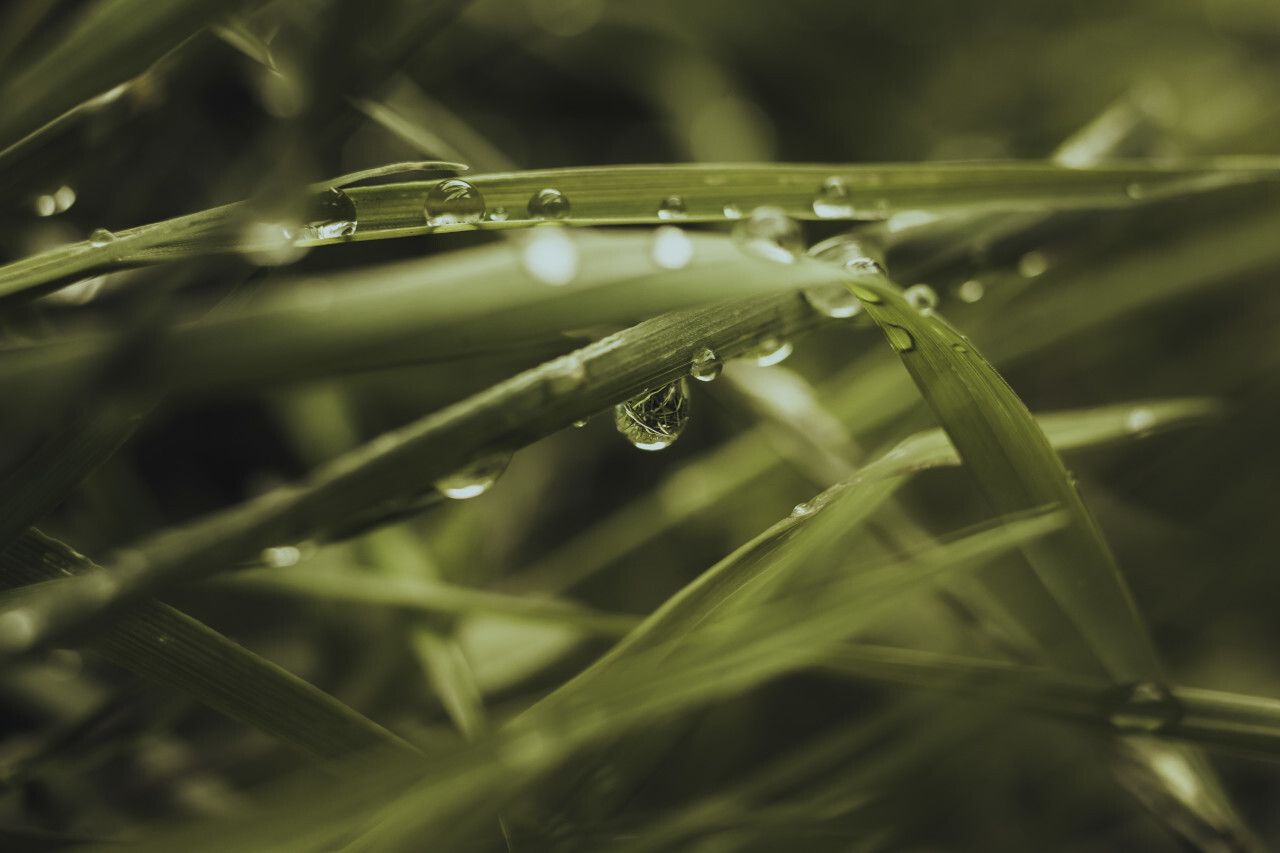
(101, 237)
(672, 248)
(866, 295)
(498, 214)
(899, 338)
(282, 556)
(654, 419)
(331, 215)
(453, 202)
(548, 204)
(865, 268)
(833, 200)
(672, 207)
(833, 300)
(731, 211)
(959, 347)
(1145, 706)
(705, 365)
(475, 479)
(771, 350)
(551, 256)
(581, 422)
(802, 510)
(770, 234)
(921, 296)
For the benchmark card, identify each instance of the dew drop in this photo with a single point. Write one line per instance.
(770, 234)
(833, 200)
(1145, 706)
(45, 205)
(960, 348)
(672, 248)
(705, 365)
(330, 216)
(654, 419)
(899, 338)
(475, 479)
(971, 291)
(802, 510)
(672, 207)
(866, 295)
(1140, 420)
(551, 256)
(498, 214)
(101, 237)
(549, 204)
(771, 350)
(281, 557)
(579, 424)
(453, 202)
(833, 300)
(17, 629)
(921, 297)
(731, 211)
(1033, 264)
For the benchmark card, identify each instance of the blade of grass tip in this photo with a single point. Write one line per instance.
(161, 643)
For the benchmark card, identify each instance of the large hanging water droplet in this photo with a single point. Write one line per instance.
(833, 300)
(549, 204)
(705, 365)
(654, 419)
(1146, 706)
(672, 248)
(770, 234)
(475, 479)
(332, 215)
(672, 207)
(921, 297)
(771, 350)
(551, 256)
(899, 338)
(101, 237)
(833, 200)
(453, 202)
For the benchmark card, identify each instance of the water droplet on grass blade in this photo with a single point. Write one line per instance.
(921, 297)
(475, 479)
(1146, 706)
(1140, 420)
(672, 207)
(833, 300)
(731, 211)
(770, 234)
(549, 204)
(331, 215)
(705, 365)
(771, 350)
(802, 510)
(833, 200)
(101, 237)
(899, 338)
(971, 291)
(551, 256)
(654, 419)
(453, 202)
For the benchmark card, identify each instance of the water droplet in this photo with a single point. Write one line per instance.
(770, 234)
(705, 365)
(672, 248)
(865, 268)
(971, 291)
(551, 256)
(899, 338)
(453, 202)
(581, 423)
(1033, 264)
(833, 200)
(771, 350)
(654, 419)
(866, 295)
(1145, 706)
(498, 214)
(921, 297)
(101, 237)
(58, 201)
(802, 510)
(271, 244)
(281, 557)
(731, 211)
(1135, 190)
(833, 300)
(330, 216)
(475, 479)
(549, 204)
(672, 207)
(959, 347)
(1140, 420)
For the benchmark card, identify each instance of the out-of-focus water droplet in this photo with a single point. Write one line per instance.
(654, 419)
(475, 479)
(1146, 706)
(271, 244)
(498, 214)
(551, 256)
(865, 268)
(1135, 190)
(899, 338)
(101, 237)
(1033, 264)
(770, 234)
(731, 211)
(705, 365)
(549, 204)
(971, 291)
(1140, 420)
(921, 297)
(672, 207)
(581, 422)
(282, 556)
(80, 293)
(833, 300)
(453, 202)
(910, 219)
(17, 629)
(59, 201)
(771, 350)
(332, 215)
(833, 200)
(672, 248)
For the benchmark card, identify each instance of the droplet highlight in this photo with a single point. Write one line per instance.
(770, 234)
(731, 211)
(654, 420)
(101, 237)
(672, 248)
(771, 350)
(453, 202)
(672, 207)
(499, 214)
(705, 365)
(330, 216)
(833, 201)
(1146, 706)
(549, 204)
(1140, 420)
(475, 479)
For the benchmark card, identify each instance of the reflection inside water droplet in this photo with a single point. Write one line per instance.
(770, 234)
(654, 419)
(671, 207)
(731, 211)
(705, 365)
(453, 202)
(833, 200)
(331, 215)
(475, 479)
